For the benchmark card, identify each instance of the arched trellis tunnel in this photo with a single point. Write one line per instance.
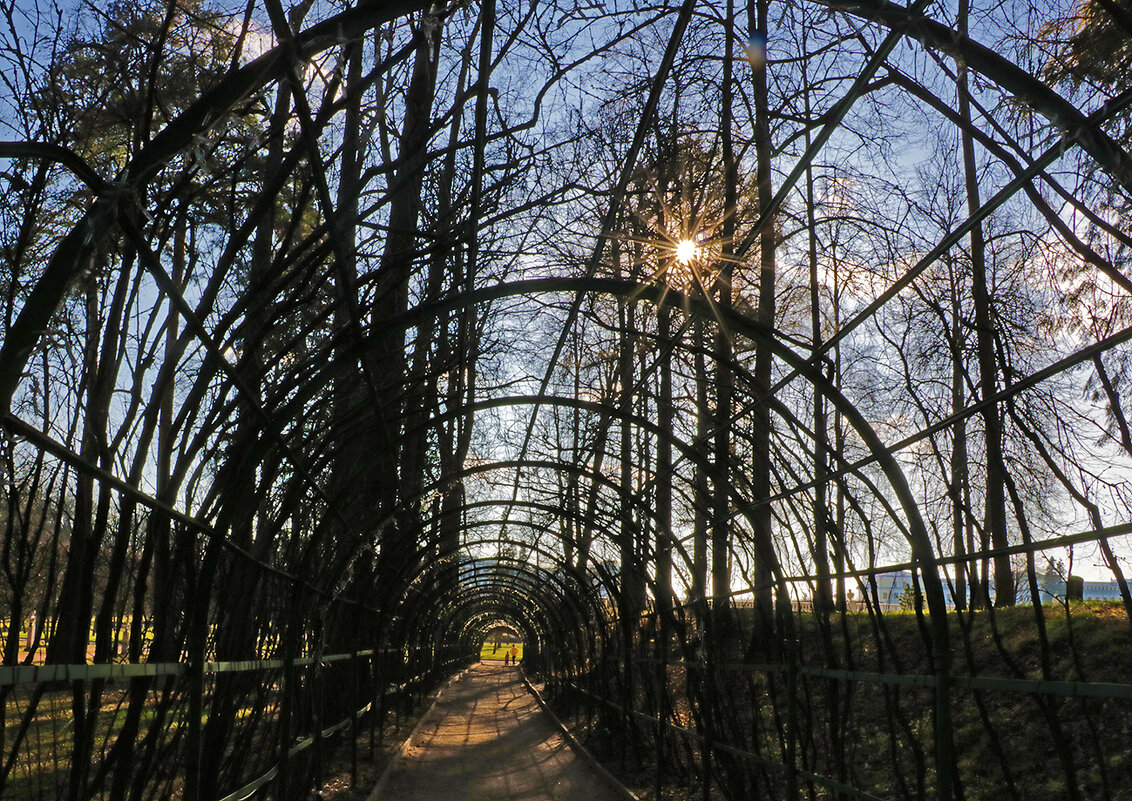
(759, 365)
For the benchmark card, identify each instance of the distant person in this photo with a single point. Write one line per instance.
(506, 657)
(514, 654)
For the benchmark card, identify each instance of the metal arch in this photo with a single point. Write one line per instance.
(500, 570)
(548, 464)
(702, 461)
(214, 105)
(513, 600)
(508, 464)
(440, 603)
(540, 610)
(475, 632)
(567, 593)
(421, 548)
(688, 451)
(607, 580)
(570, 578)
(578, 596)
(598, 478)
(584, 605)
(476, 627)
(498, 623)
(540, 616)
(1111, 157)
(521, 503)
(737, 323)
(477, 622)
(455, 618)
(922, 549)
(581, 597)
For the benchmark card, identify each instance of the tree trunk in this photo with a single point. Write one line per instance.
(994, 515)
(724, 381)
(631, 584)
(664, 470)
(823, 601)
(959, 490)
(760, 456)
(388, 362)
(701, 497)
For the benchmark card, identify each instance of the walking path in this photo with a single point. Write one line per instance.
(487, 739)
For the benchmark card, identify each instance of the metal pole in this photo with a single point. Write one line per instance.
(355, 703)
(624, 721)
(707, 692)
(285, 706)
(317, 716)
(194, 740)
(375, 692)
(662, 698)
(382, 684)
(791, 718)
(944, 758)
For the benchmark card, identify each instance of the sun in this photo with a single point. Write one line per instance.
(686, 251)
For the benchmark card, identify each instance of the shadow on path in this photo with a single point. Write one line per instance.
(487, 739)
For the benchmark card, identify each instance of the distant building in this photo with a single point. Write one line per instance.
(1051, 588)
(890, 588)
(1102, 591)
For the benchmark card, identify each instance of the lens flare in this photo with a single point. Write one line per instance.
(756, 50)
(686, 251)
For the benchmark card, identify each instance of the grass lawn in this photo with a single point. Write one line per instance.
(489, 653)
(1008, 743)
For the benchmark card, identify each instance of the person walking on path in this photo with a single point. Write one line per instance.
(514, 654)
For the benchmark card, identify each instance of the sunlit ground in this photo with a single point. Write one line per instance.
(489, 652)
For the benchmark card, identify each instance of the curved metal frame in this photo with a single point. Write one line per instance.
(559, 610)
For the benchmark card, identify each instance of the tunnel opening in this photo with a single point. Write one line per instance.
(752, 374)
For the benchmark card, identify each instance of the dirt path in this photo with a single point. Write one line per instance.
(488, 740)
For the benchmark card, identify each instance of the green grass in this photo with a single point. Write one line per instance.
(887, 730)
(489, 653)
